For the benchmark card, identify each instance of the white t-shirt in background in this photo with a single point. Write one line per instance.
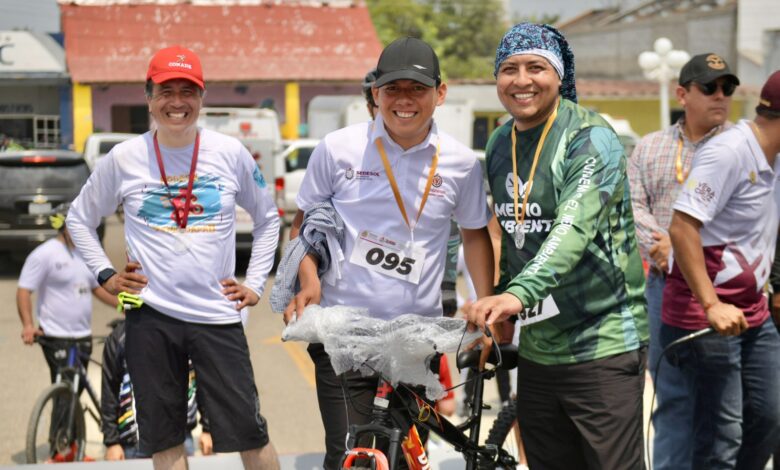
(63, 286)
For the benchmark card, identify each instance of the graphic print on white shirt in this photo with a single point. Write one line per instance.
(184, 266)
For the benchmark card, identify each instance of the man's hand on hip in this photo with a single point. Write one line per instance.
(126, 281)
(239, 293)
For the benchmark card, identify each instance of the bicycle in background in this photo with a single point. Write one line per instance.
(56, 431)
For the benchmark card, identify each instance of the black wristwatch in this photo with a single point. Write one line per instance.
(105, 275)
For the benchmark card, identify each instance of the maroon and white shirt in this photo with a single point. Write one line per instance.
(733, 191)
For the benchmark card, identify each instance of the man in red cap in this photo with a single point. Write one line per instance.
(179, 186)
(723, 234)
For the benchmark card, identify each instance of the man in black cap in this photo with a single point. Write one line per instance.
(723, 234)
(657, 169)
(395, 182)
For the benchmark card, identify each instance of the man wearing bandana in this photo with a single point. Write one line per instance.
(570, 267)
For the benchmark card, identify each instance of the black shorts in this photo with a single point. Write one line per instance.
(157, 348)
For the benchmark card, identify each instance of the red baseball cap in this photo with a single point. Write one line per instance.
(175, 62)
(770, 94)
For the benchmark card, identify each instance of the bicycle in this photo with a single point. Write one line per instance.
(359, 342)
(57, 426)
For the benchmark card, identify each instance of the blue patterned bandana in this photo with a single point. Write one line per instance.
(528, 37)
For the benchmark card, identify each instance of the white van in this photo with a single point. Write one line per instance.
(258, 130)
(100, 143)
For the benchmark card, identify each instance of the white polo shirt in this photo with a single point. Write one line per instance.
(63, 286)
(734, 192)
(346, 168)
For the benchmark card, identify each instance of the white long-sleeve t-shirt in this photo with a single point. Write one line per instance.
(184, 266)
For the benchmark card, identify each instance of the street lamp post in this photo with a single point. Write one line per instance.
(663, 64)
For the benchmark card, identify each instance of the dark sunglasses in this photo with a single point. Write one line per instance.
(710, 88)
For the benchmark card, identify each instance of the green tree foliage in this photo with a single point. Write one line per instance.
(464, 33)
(398, 18)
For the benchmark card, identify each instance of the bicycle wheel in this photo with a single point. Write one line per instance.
(505, 435)
(47, 430)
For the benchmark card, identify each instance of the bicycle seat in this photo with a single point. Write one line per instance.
(470, 359)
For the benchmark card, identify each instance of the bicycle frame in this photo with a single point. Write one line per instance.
(75, 368)
(427, 417)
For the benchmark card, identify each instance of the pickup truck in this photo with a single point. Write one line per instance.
(100, 143)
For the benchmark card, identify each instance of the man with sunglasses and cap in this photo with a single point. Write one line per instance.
(395, 182)
(723, 233)
(179, 186)
(657, 170)
(570, 267)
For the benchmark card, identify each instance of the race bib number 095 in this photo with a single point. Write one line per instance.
(388, 257)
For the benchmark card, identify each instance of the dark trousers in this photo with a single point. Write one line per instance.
(55, 351)
(340, 407)
(736, 402)
(583, 416)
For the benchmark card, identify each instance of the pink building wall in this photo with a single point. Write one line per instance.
(104, 97)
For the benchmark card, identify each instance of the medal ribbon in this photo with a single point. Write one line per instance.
(181, 220)
(520, 219)
(678, 165)
(389, 171)
(682, 173)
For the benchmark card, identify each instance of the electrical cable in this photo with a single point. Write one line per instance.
(671, 346)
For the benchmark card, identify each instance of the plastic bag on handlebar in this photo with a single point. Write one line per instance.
(396, 348)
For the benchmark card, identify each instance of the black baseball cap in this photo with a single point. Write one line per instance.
(706, 68)
(408, 59)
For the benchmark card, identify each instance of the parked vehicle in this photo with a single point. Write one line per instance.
(294, 159)
(32, 184)
(625, 133)
(100, 143)
(328, 113)
(258, 130)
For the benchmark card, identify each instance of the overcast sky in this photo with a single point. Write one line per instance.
(43, 15)
(565, 9)
(36, 15)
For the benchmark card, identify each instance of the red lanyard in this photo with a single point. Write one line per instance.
(181, 219)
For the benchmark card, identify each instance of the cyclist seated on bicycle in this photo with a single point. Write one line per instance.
(117, 405)
(394, 247)
(62, 282)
